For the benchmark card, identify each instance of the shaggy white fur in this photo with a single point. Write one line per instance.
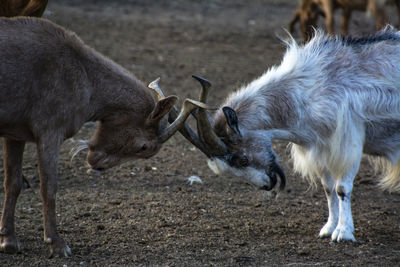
(333, 99)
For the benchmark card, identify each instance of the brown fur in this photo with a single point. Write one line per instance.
(51, 83)
(13, 8)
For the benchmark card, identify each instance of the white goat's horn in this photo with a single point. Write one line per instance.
(212, 143)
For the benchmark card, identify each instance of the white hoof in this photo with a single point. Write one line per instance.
(327, 230)
(343, 234)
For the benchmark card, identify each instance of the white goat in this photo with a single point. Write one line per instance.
(333, 99)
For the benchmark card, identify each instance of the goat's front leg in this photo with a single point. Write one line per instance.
(48, 151)
(328, 183)
(344, 186)
(13, 152)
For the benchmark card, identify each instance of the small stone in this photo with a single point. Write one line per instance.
(303, 252)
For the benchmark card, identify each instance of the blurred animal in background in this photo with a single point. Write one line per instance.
(306, 15)
(13, 8)
(308, 12)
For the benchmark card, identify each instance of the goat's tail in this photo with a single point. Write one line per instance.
(390, 172)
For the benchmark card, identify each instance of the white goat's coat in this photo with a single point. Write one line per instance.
(333, 99)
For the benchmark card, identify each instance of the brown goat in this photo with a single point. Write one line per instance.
(309, 10)
(13, 8)
(51, 83)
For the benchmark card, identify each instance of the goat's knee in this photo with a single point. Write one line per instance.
(343, 191)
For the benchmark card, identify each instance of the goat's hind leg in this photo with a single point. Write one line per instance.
(328, 183)
(13, 181)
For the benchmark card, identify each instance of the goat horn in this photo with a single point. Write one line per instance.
(211, 141)
(281, 175)
(154, 85)
(187, 108)
(273, 170)
(185, 130)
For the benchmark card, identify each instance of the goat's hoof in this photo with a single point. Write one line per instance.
(59, 248)
(327, 230)
(342, 235)
(10, 245)
(324, 235)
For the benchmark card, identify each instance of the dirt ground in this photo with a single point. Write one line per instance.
(145, 212)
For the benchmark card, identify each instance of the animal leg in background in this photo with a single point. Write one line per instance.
(344, 22)
(328, 7)
(378, 10)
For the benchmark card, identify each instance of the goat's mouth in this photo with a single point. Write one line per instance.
(261, 178)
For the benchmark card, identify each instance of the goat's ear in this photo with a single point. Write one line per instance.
(232, 119)
(162, 108)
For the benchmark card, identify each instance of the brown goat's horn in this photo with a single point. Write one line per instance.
(187, 108)
(212, 142)
(185, 130)
(154, 85)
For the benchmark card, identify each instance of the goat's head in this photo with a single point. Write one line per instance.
(249, 153)
(244, 153)
(125, 135)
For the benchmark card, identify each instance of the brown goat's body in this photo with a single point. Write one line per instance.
(53, 68)
(51, 83)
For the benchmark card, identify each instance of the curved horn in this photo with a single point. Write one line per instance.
(154, 85)
(281, 175)
(211, 141)
(273, 170)
(185, 130)
(187, 108)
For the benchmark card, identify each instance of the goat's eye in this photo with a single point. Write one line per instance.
(143, 148)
